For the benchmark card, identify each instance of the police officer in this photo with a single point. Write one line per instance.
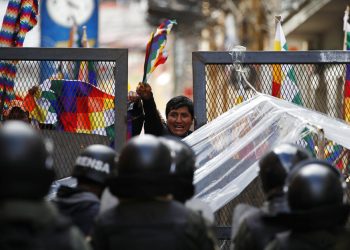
(184, 161)
(82, 203)
(253, 227)
(147, 217)
(316, 196)
(27, 221)
(184, 166)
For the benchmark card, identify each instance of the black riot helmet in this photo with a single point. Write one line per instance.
(94, 164)
(143, 169)
(183, 167)
(275, 166)
(26, 164)
(314, 184)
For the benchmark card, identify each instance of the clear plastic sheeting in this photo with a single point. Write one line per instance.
(229, 147)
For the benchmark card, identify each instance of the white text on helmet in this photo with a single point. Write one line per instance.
(92, 163)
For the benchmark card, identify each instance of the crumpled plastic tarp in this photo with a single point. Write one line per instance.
(229, 147)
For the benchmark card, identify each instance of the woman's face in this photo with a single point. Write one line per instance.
(179, 121)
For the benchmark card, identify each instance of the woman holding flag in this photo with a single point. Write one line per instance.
(179, 110)
(179, 114)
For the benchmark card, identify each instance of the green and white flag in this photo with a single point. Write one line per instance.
(284, 84)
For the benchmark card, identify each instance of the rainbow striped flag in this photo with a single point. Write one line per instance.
(87, 72)
(73, 106)
(284, 84)
(347, 74)
(39, 104)
(155, 52)
(332, 151)
(20, 17)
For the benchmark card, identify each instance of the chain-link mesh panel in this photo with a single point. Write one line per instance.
(71, 102)
(252, 195)
(320, 87)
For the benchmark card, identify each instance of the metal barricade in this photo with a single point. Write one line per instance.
(225, 79)
(75, 86)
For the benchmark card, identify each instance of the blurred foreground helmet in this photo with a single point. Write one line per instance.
(275, 165)
(143, 169)
(94, 164)
(26, 168)
(314, 184)
(183, 167)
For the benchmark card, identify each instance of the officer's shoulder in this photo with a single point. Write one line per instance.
(343, 241)
(201, 208)
(181, 208)
(107, 216)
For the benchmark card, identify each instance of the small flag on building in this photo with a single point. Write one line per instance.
(86, 72)
(284, 84)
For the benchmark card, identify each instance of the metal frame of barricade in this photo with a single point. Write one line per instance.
(208, 75)
(118, 77)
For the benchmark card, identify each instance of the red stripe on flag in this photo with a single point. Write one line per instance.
(160, 60)
(276, 89)
(347, 88)
(69, 121)
(29, 103)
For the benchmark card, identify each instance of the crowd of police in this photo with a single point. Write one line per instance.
(151, 180)
(305, 206)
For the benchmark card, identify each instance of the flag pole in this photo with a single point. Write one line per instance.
(83, 74)
(84, 39)
(72, 33)
(278, 19)
(148, 51)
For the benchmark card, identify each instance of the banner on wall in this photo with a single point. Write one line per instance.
(59, 18)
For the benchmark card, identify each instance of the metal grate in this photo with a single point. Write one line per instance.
(70, 96)
(320, 86)
(220, 83)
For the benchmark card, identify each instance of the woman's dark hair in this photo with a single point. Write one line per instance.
(178, 102)
(16, 113)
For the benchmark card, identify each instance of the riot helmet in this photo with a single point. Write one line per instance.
(314, 184)
(183, 167)
(26, 169)
(275, 166)
(143, 169)
(94, 164)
